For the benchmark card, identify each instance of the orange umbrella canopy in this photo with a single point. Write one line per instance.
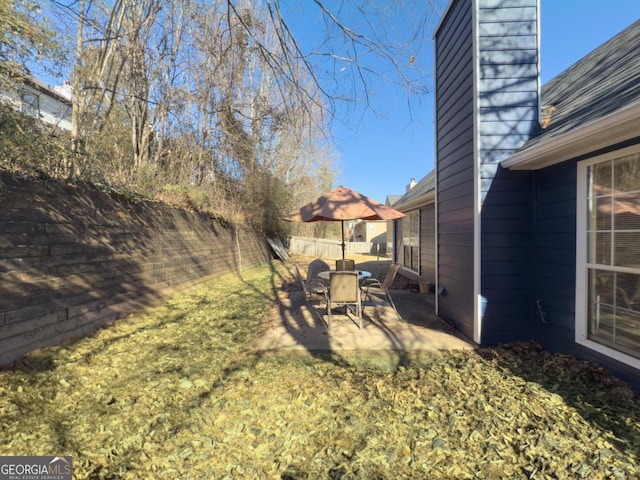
(343, 203)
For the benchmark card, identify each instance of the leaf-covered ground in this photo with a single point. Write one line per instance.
(177, 392)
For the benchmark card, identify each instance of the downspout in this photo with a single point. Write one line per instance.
(477, 199)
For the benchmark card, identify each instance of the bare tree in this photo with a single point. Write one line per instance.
(222, 97)
(364, 45)
(26, 36)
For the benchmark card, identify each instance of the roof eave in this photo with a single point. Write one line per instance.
(609, 130)
(43, 88)
(421, 201)
(442, 17)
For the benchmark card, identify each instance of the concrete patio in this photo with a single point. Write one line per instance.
(299, 325)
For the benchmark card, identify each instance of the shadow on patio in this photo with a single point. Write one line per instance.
(299, 325)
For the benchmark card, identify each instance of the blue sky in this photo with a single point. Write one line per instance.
(378, 154)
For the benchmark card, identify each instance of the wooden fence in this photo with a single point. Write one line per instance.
(332, 249)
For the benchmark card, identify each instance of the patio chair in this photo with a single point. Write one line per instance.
(380, 289)
(315, 267)
(348, 265)
(344, 290)
(310, 289)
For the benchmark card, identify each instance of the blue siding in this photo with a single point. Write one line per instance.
(555, 248)
(506, 258)
(454, 136)
(527, 218)
(555, 267)
(508, 116)
(427, 243)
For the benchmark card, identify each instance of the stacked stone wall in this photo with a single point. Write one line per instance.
(72, 260)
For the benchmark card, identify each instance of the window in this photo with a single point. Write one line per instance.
(31, 104)
(410, 241)
(608, 262)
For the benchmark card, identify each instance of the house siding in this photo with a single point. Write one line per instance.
(509, 236)
(52, 108)
(554, 269)
(505, 102)
(398, 244)
(508, 116)
(454, 154)
(555, 254)
(428, 243)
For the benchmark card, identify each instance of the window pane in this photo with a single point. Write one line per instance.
(616, 325)
(31, 104)
(601, 178)
(628, 291)
(415, 259)
(613, 228)
(603, 213)
(627, 211)
(627, 249)
(413, 230)
(602, 324)
(627, 331)
(627, 174)
(599, 245)
(601, 287)
(406, 230)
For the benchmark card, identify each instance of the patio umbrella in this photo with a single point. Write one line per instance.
(343, 204)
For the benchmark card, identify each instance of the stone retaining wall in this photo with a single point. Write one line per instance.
(72, 260)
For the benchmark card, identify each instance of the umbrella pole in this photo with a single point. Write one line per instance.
(343, 245)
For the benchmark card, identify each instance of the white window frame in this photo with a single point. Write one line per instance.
(582, 308)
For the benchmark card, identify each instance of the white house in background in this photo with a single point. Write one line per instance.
(32, 97)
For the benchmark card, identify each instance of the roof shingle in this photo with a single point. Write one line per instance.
(599, 84)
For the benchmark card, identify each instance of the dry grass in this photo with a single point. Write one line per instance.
(176, 392)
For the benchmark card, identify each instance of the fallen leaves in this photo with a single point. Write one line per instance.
(173, 392)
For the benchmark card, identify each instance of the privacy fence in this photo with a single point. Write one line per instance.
(332, 249)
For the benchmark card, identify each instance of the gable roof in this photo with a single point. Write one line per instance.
(392, 199)
(422, 193)
(592, 104)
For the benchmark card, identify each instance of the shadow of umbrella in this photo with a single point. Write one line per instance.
(342, 204)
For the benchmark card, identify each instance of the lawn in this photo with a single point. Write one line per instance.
(177, 392)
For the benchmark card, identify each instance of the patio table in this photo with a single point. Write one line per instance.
(362, 274)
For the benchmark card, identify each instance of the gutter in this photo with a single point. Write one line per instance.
(422, 200)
